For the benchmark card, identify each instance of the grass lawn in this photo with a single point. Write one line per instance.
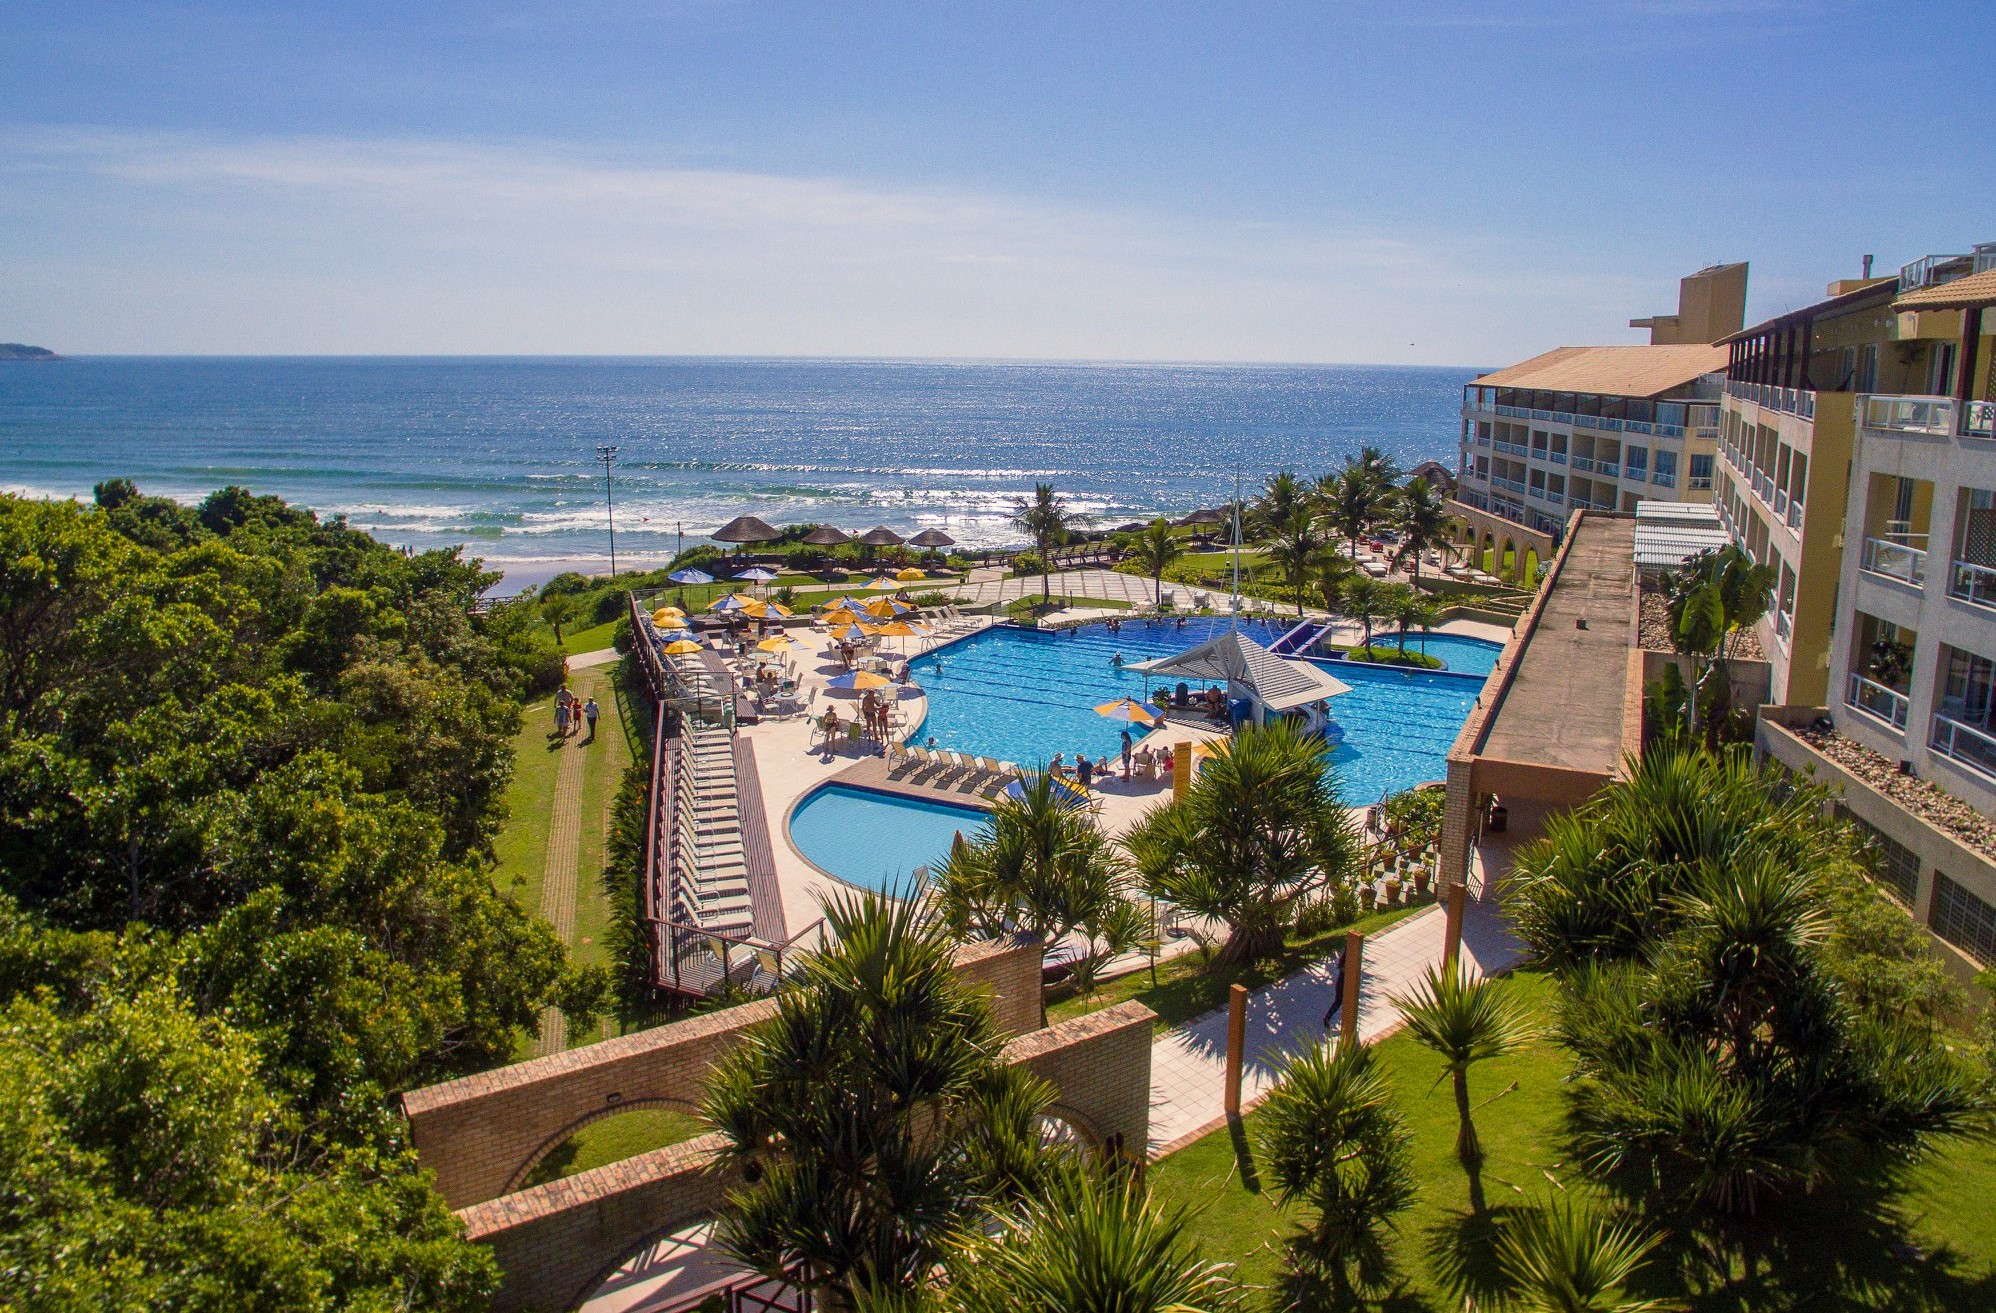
(1186, 988)
(593, 639)
(615, 1138)
(1930, 1248)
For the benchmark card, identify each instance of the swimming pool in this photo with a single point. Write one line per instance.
(876, 840)
(1022, 695)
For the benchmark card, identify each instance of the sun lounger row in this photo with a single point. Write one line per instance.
(710, 872)
(954, 761)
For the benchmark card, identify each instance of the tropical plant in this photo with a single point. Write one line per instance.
(1354, 499)
(1336, 1147)
(1260, 828)
(1041, 866)
(1413, 609)
(1746, 1019)
(1092, 1241)
(1334, 571)
(1157, 547)
(1280, 498)
(1297, 549)
(870, 1118)
(1366, 600)
(1047, 520)
(1713, 598)
(559, 609)
(1381, 468)
(1563, 1257)
(1464, 1020)
(1422, 522)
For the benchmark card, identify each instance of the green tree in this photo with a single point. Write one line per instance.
(1366, 600)
(1422, 522)
(1413, 609)
(1281, 497)
(1091, 1242)
(1157, 547)
(1047, 520)
(1297, 548)
(1463, 1020)
(1042, 867)
(1354, 499)
(1335, 1146)
(870, 1118)
(1261, 827)
(1563, 1257)
(559, 610)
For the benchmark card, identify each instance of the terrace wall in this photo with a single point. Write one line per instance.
(480, 1135)
(556, 1243)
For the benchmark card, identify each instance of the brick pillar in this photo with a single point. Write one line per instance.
(1354, 972)
(1458, 824)
(1458, 898)
(1236, 1045)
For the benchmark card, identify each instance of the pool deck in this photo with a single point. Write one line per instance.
(924, 783)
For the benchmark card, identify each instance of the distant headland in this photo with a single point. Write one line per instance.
(22, 351)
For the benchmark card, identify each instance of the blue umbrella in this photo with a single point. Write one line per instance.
(757, 575)
(690, 576)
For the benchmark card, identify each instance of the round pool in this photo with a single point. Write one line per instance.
(876, 840)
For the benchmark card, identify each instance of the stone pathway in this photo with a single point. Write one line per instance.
(1189, 1063)
(558, 880)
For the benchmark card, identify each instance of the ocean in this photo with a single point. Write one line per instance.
(500, 454)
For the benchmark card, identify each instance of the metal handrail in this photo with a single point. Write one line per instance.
(1959, 741)
(1875, 699)
(1973, 582)
(1894, 560)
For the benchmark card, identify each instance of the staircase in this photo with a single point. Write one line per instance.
(1300, 640)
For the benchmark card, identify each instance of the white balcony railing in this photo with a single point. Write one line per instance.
(1662, 480)
(1795, 515)
(1937, 417)
(1962, 742)
(1896, 560)
(1974, 582)
(1874, 699)
(1612, 470)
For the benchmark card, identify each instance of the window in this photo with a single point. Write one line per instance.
(1970, 691)
(1701, 468)
(1963, 919)
(1798, 477)
(1635, 462)
(1666, 465)
(1940, 375)
(1896, 866)
(1867, 368)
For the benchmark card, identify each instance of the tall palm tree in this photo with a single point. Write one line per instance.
(1279, 499)
(1335, 1144)
(1334, 572)
(1297, 547)
(880, 1055)
(1413, 609)
(1093, 1242)
(1157, 547)
(1381, 468)
(1353, 498)
(1043, 867)
(1464, 1020)
(1261, 828)
(1422, 522)
(1047, 520)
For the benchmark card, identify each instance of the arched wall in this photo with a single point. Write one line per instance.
(555, 1141)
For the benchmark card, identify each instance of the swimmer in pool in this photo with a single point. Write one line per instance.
(1117, 660)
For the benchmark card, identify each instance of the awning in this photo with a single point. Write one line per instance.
(1278, 683)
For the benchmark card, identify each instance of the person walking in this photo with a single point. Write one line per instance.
(561, 717)
(1127, 745)
(1337, 990)
(590, 711)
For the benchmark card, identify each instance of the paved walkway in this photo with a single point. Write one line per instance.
(559, 876)
(1189, 1063)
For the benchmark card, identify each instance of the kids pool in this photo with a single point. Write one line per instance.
(1022, 695)
(876, 840)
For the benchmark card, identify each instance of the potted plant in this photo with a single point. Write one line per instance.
(1368, 897)
(1393, 891)
(1422, 877)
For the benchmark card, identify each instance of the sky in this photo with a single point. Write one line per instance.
(1460, 182)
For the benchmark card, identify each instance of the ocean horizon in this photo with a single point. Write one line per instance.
(498, 453)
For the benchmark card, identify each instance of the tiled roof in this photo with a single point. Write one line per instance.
(1278, 682)
(1664, 546)
(1976, 289)
(1615, 371)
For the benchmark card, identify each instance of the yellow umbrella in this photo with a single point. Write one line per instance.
(860, 679)
(780, 643)
(883, 585)
(1128, 709)
(881, 608)
(778, 608)
(665, 613)
(681, 647)
(911, 574)
(892, 629)
(669, 622)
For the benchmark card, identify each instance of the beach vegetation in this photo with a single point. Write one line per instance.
(1046, 519)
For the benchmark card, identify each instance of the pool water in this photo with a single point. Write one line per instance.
(1021, 695)
(876, 840)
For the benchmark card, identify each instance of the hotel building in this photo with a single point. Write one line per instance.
(1598, 427)
(1859, 458)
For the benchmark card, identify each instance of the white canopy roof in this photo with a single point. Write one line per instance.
(1279, 683)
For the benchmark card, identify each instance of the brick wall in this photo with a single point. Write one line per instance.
(557, 1242)
(480, 1134)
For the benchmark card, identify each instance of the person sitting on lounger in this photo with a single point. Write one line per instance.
(1084, 770)
(1057, 767)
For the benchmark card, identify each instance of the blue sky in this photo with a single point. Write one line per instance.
(1423, 181)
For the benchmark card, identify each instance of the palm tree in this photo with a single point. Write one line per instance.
(1464, 1020)
(1365, 600)
(879, 1055)
(1297, 549)
(1378, 466)
(1334, 572)
(1561, 1257)
(1422, 522)
(1046, 519)
(1353, 500)
(1413, 609)
(1157, 547)
(1261, 827)
(1279, 499)
(1042, 867)
(1335, 1144)
(1094, 1242)
(559, 609)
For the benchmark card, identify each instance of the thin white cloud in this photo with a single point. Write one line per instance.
(144, 242)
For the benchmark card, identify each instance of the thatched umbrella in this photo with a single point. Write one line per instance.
(745, 529)
(1199, 521)
(877, 537)
(826, 535)
(932, 540)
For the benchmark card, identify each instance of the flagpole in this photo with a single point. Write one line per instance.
(1237, 547)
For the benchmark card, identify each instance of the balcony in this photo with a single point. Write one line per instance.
(1558, 458)
(1974, 582)
(1784, 623)
(1662, 480)
(1932, 417)
(1583, 463)
(1794, 516)
(1795, 401)
(1704, 484)
(1896, 560)
(1959, 741)
(1878, 701)
(1611, 469)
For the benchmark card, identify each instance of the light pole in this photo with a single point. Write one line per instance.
(608, 455)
